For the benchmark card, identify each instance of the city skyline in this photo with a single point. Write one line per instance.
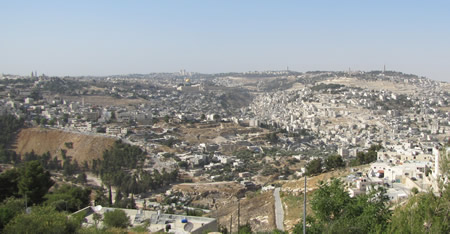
(113, 37)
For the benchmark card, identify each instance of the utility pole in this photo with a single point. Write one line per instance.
(304, 210)
(239, 214)
(231, 224)
(217, 213)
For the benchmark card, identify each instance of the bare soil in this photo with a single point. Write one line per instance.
(85, 147)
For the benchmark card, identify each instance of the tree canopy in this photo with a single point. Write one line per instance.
(314, 167)
(116, 218)
(334, 211)
(34, 182)
(8, 184)
(334, 161)
(9, 126)
(68, 198)
(10, 208)
(368, 157)
(42, 220)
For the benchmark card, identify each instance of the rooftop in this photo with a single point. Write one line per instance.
(157, 221)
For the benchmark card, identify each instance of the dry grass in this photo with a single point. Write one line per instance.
(293, 208)
(85, 147)
(258, 211)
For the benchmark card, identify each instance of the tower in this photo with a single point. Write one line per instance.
(436, 162)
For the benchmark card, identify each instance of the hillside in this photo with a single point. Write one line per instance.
(256, 210)
(292, 194)
(85, 147)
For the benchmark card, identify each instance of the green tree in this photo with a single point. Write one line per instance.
(9, 127)
(314, 167)
(334, 161)
(272, 137)
(116, 218)
(68, 198)
(82, 178)
(8, 184)
(334, 211)
(9, 209)
(166, 118)
(42, 220)
(330, 200)
(101, 198)
(183, 164)
(245, 229)
(34, 182)
(52, 122)
(424, 213)
(368, 157)
(97, 218)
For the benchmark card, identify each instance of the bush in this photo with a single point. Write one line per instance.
(116, 218)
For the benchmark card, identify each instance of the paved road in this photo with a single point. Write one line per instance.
(279, 212)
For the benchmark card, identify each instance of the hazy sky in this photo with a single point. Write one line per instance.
(121, 37)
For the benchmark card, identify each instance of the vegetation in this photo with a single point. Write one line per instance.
(69, 145)
(9, 126)
(272, 137)
(68, 198)
(9, 209)
(116, 218)
(34, 182)
(122, 167)
(424, 213)
(334, 211)
(366, 158)
(334, 162)
(333, 88)
(314, 167)
(245, 229)
(63, 86)
(8, 184)
(42, 220)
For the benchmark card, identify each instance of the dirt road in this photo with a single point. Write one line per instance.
(279, 212)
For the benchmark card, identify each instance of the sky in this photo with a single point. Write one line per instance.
(76, 38)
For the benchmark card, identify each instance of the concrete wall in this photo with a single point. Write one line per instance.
(209, 227)
(411, 184)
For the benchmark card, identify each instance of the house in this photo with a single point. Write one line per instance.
(158, 222)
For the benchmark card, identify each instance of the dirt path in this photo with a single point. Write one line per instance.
(279, 212)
